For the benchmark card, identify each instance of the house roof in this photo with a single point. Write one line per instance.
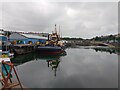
(33, 36)
(2, 35)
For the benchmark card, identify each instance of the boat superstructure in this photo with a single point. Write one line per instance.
(53, 45)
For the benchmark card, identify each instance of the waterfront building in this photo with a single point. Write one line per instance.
(3, 41)
(22, 38)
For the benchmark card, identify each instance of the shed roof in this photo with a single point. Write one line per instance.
(3, 36)
(33, 36)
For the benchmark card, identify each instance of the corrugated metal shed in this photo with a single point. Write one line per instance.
(17, 36)
(34, 36)
(25, 38)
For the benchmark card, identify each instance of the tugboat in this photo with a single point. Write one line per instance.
(53, 45)
(49, 50)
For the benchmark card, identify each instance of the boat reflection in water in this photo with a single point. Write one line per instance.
(54, 64)
(52, 60)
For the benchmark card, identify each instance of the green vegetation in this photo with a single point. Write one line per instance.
(111, 40)
(107, 38)
(67, 38)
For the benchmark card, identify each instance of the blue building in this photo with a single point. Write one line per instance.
(26, 38)
(3, 38)
(3, 41)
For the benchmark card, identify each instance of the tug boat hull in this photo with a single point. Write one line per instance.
(48, 50)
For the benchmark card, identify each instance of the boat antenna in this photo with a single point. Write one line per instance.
(61, 34)
(55, 29)
(59, 31)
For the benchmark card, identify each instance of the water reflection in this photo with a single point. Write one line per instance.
(110, 50)
(80, 68)
(20, 59)
(54, 65)
(52, 61)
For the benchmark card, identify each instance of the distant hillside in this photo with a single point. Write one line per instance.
(112, 38)
(67, 38)
(108, 38)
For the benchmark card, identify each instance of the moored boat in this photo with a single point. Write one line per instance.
(49, 50)
(10, 54)
(53, 45)
(4, 57)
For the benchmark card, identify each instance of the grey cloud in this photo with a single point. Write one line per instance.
(77, 19)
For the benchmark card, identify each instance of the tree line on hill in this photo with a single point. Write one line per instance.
(112, 38)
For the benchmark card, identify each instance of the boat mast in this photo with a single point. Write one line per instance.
(59, 31)
(55, 29)
(61, 35)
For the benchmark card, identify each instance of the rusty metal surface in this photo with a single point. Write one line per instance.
(7, 82)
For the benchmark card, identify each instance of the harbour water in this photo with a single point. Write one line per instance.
(79, 67)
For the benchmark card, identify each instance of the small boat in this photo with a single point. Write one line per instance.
(49, 50)
(4, 57)
(53, 45)
(8, 53)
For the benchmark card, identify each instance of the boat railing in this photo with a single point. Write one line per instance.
(6, 79)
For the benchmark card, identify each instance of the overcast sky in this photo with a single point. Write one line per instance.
(76, 19)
